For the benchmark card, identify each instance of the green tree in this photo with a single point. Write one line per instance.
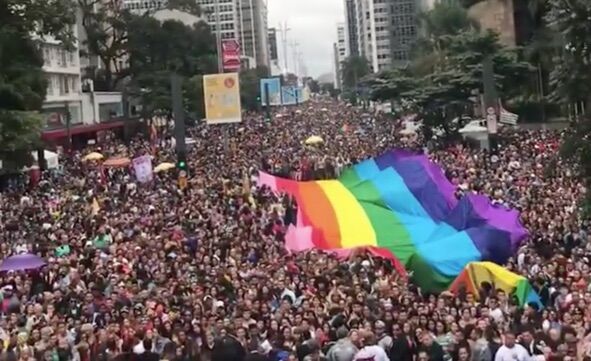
(105, 24)
(353, 69)
(22, 81)
(446, 92)
(158, 49)
(438, 26)
(571, 80)
(571, 76)
(250, 89)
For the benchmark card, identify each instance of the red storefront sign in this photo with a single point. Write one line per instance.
(230, 55)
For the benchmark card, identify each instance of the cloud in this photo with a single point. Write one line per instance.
(313, 25)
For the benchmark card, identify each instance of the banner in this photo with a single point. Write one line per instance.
(507, 117)
(289, 95)
(300, 94)
(143, 168)
(274, 87)
(222, 98)
(231, 55)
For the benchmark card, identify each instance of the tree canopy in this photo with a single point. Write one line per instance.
(157, 49)
(442, 81)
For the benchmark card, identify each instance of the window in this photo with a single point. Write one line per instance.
(108, 111)
(65, 80)
(62, 86)
(49, 85)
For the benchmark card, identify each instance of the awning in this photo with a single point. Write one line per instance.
(54, 134)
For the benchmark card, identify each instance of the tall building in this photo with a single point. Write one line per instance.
(404, 29)
(341, 52)
(244, 21)
(382, 31)
(351, 29)
(337, 67)
(253, 30)
(142, 6)
(273, 52)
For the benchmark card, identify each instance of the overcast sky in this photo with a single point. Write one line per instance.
(313, 25)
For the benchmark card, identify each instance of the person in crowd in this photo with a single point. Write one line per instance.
(370, 351)
(511, 350)
(158, 271)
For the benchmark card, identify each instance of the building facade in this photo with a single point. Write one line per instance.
(351, 29)
(382, 31)
(253, 30)
(142, 6)
(69, 100)
(64, 91)
(274, 66)
(403, 30)
(341, 52)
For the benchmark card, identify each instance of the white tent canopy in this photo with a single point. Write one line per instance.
(473, 127)
(51, 158)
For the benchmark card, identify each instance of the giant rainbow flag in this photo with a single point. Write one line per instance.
(402, 202)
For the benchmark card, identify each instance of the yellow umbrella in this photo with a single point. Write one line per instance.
(314, 140)
(163, 167)
(92, 156)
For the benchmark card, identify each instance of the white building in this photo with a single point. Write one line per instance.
(244, 21)
(64, 92)
(64, 98)
(142, 6)
(381, 30)
(374, 32)
(341, 52)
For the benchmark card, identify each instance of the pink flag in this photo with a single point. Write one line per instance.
(298, 239)
(265, 179)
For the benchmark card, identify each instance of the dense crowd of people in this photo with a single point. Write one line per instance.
(147, 271)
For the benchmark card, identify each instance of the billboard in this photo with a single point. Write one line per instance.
(230, 55)
(289, 95)
(300, 94)
(274, 87)
(221, 94)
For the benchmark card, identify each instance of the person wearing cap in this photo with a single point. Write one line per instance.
(343, 349)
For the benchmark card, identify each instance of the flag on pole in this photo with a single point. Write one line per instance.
(507, 117)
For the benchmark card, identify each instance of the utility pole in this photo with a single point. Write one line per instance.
(294, 49)
(218, 35)
(283, 29)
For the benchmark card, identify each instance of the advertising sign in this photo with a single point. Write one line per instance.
(289, 95)
(274, 87)
(230, 55)
(222, 98)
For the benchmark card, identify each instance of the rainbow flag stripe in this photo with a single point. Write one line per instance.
(402, 202)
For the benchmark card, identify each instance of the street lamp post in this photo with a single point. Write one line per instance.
(218, 35)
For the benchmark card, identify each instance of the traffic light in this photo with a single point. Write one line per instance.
(181, 162)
